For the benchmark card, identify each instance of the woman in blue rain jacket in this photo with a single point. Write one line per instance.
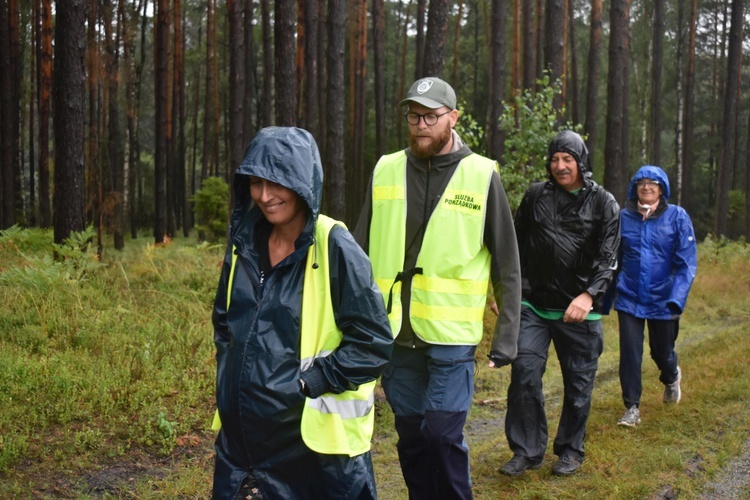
(657, 267)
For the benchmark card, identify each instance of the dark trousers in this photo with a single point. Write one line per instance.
(578, 347)
(430, 391)
(662, 335)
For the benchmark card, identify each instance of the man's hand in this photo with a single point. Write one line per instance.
(579, 308)
(498, 360)
(494, 308)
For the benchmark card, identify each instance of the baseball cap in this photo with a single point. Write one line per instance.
(431, 92)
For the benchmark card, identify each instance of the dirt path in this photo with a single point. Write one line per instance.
(734, 480)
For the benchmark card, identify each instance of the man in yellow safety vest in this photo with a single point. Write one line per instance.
(437, 227)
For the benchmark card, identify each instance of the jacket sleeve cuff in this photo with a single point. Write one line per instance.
(315, 383)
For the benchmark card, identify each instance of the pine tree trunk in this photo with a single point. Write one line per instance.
(44, 89)
(657, 58)
(497, 78)
(285, 73)
(616, 146)
(729, 121)
(267, 100)
(161, 59)
(592, 85)
(334, 165)
(419, 41)
(437, 25)
(554, 46)
(69, 92)
(529, 45)
(378, 44)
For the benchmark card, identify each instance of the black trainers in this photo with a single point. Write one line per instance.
(566, 466)
(518, 464)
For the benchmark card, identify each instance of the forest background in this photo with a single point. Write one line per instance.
(114, 113)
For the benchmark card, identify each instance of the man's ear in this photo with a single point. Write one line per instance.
(453, 115)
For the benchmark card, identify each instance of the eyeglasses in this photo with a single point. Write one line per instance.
(430, 119)
(647, 182)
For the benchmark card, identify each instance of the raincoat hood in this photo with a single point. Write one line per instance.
(653, 173)
(287, 156)
(571, 143)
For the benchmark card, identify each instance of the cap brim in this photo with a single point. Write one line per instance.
(424, 101)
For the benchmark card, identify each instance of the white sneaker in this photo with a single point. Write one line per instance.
(631, 418)
(672, 392)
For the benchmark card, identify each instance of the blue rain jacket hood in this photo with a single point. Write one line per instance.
(658, 256)
(653, 173)
(257, 334)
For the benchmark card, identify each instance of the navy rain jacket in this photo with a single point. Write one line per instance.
(258, 390)
(658, 255)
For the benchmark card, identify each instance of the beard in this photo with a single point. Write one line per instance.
(434, 146)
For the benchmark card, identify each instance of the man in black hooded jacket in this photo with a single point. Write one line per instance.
(568, 237)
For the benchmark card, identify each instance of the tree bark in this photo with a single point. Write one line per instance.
(93, 84)
(573, 94)
(592, 85)
(161, 60)
(44, 92)
(515, 58)
(268, 61)
(378, 45)
(529, 45)
(657, 59)
(285, 73)
(179, 120)
(402, 73)
(7, 104)
(729, 120)
(554, 46)
(236, 84)
(15, 111)
(251, 111)
(208, 101)
(116, 191)
(437, 25)
(497, 78)
(456, 40)
(312, 121)
(334, 164)
(616, 144)
(69, 92)
(419, 41)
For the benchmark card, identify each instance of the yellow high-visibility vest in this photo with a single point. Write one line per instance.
(450, 279)
(331, 423)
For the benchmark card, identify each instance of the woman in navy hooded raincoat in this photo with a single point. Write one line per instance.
(658, 265)
(280, 357)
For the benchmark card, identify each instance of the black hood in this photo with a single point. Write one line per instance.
(571, 143)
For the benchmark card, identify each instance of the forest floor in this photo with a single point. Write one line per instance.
(116, 478)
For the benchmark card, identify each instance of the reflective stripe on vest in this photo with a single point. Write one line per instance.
(449, 287)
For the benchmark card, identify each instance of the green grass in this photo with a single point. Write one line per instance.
(107, 380)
